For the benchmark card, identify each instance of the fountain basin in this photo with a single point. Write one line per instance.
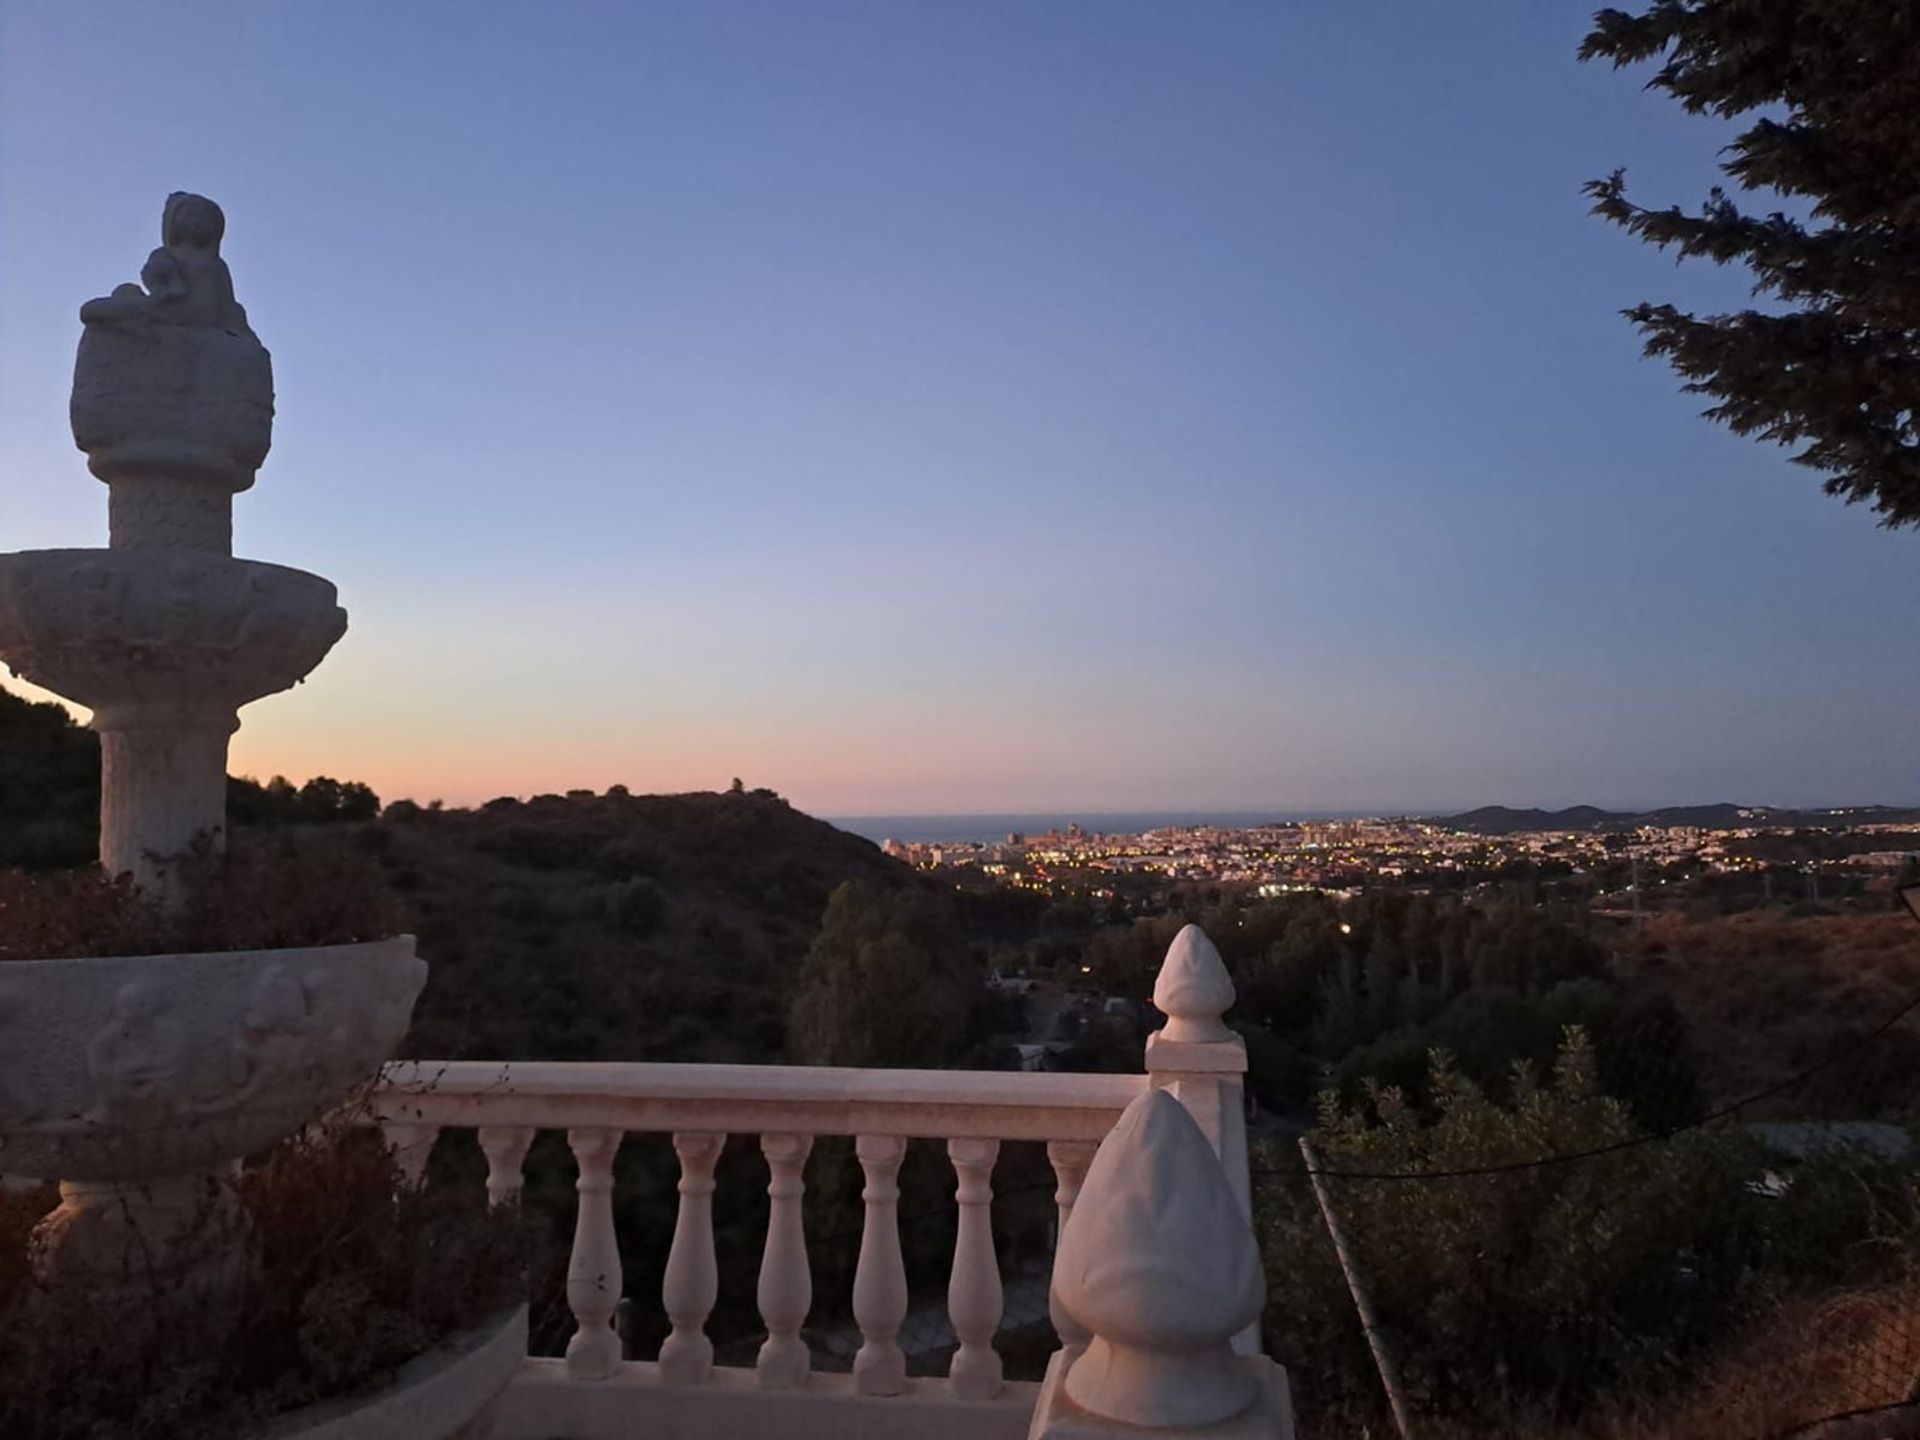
(162, 628)
(121, 1069)
(448, 1393)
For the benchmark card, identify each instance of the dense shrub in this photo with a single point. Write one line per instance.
(1549, 1290)
(636, 907)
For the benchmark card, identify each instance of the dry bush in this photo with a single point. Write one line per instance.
(356, 1273)
(20, 1211)
(1767, 995)
(1848, 1351)
(1854, 1351)
(262, 893)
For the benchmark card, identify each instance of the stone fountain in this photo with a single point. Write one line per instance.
(136, 1081)
(164, 635)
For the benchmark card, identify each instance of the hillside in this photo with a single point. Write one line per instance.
(576, 927)
(615, 927)
(1767, 995)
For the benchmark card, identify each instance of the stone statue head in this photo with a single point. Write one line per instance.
(191, 222)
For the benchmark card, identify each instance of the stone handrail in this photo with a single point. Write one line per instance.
(649, 1098)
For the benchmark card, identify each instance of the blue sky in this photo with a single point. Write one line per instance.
(958, 407)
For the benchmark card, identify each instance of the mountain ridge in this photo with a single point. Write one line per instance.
(1508, 820)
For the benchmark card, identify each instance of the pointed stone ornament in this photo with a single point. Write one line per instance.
(1193, 990)
(1159, 1263)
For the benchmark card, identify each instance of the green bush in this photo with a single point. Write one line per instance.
(1642, 1056)
(1553, 1284)
(887, 982)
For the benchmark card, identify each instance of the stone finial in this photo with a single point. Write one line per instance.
(1194, 990)
(173, 392)
(1159, 1263)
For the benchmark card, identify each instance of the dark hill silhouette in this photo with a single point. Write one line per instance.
(616, 926)
(1504, 820)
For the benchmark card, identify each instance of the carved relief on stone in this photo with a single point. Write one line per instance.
(136, 1058)
(275, 1035)
(175, 1063)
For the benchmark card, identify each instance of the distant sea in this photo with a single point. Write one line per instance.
(988, 829)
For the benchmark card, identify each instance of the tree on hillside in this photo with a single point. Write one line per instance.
(1832, 365)
(49, 786)
(322, 800)
(885, 984)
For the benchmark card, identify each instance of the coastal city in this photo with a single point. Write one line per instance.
(1605, 858)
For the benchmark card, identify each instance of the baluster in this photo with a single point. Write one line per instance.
(593, 1273)
(786, 1285)
(973, 1292)
(1069, 1159)
(411, 1144)
(693, 1278)
(880, 1280)
(505, 1147)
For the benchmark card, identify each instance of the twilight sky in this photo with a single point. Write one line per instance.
(963, 406)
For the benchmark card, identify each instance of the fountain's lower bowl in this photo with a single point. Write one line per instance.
(182, 628)
(449, 1393)
(122, 1069)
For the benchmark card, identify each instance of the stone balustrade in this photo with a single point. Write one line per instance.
(594, 1392)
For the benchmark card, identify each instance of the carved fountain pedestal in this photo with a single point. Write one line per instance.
(137, 1082)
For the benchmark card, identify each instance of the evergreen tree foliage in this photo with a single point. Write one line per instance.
(49, 786)
(1831, 364)
(50, 791)
(887, 983)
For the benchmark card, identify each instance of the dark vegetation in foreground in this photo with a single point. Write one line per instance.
(1631, 1293)
(356, 1275)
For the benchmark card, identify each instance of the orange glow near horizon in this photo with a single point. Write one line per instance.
(823, 769)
